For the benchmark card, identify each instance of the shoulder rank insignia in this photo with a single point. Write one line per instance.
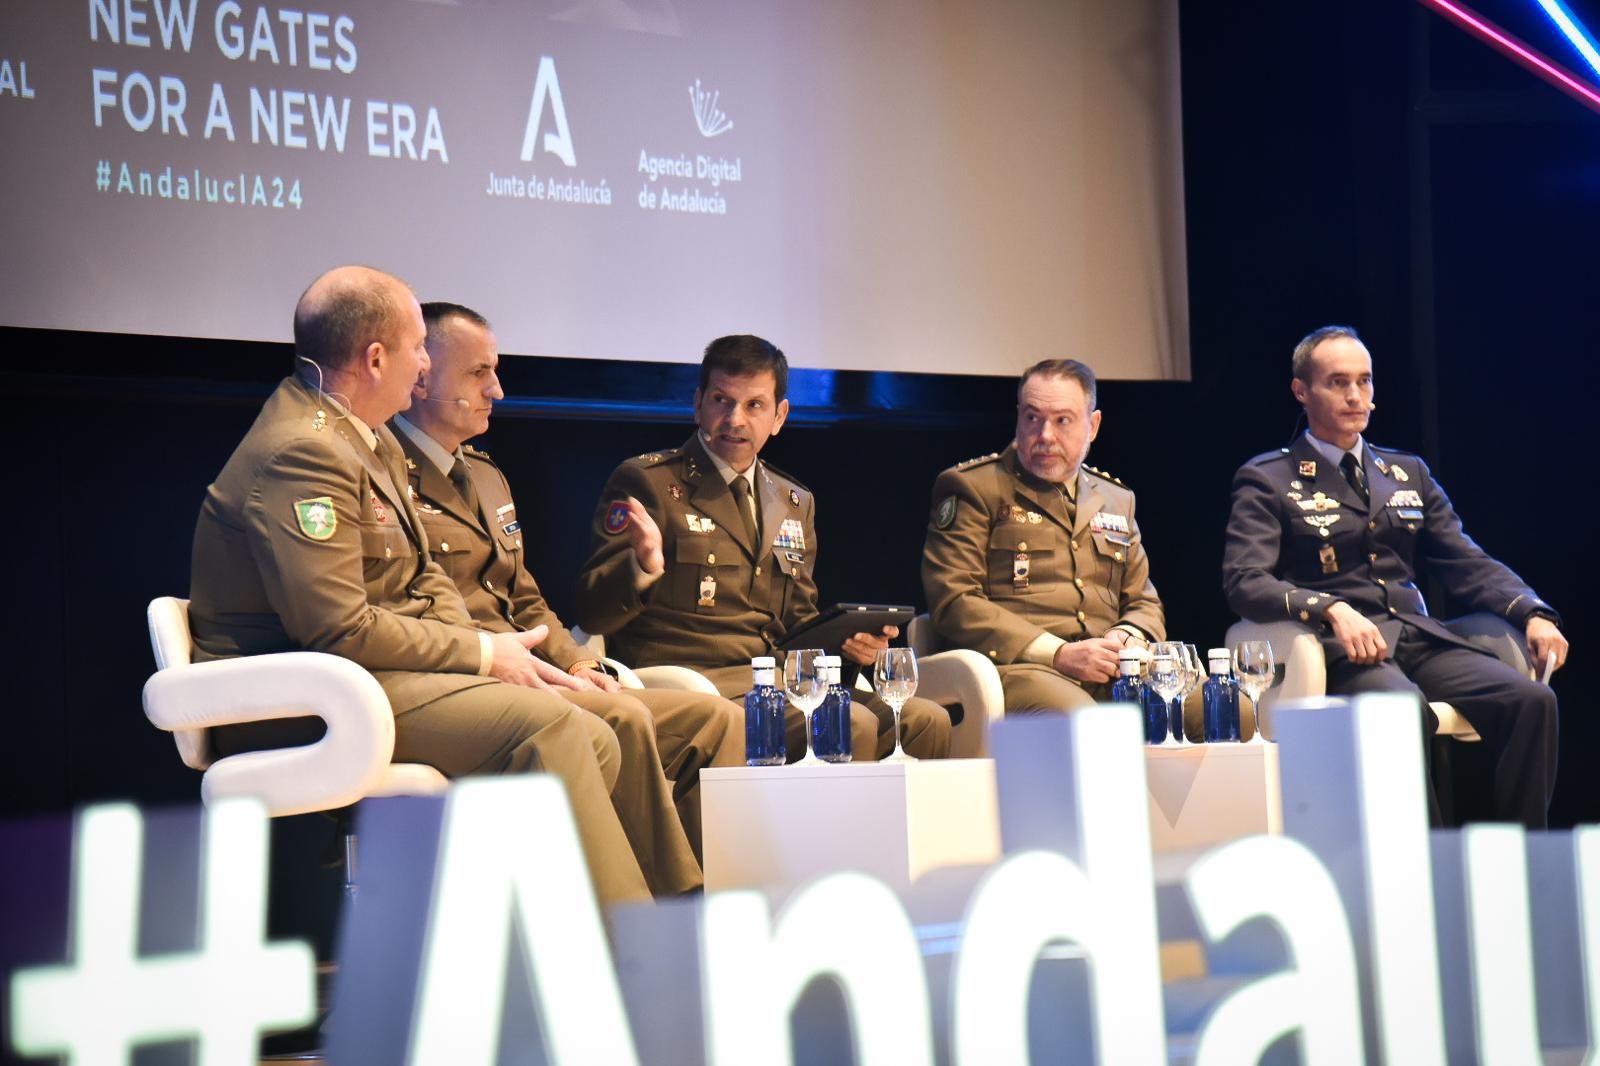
(1097, 472)
(967, 463)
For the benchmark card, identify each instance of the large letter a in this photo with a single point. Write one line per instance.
(559, 142)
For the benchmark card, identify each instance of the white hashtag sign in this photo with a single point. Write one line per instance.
(107, 1000)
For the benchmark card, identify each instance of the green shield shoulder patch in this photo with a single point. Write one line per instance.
(317, 518)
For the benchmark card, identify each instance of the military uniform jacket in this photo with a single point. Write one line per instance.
(308, 541)
(1002, 563)
(482, 552)
(722, 599)
(1299, 539)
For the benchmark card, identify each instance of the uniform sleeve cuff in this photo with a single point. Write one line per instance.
(485, 654)
(1134, 631)
(1043, 649)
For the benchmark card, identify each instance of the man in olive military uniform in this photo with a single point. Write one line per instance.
(476, 537)
(1035, 559)
(307, 540)
(1335, 533)
(692, 563)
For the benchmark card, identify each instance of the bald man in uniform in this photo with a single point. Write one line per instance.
(476, 537)
(307, 540)
(703, 556)
(1035, 559)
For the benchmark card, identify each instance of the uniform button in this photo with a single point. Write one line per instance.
(993, 654)
(1082, 616)
(758, 571)
(1372, 557)
(1380, 581)
(519, 542)
(1078, 581)
(1022, 545)
(711, 559)
(1394, 610)
(1074, 545)
(1117, 556)
(1372, 525)
(488, 584)
(444, 545)
(388, 552)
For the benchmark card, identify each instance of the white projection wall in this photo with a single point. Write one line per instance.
(903, 185)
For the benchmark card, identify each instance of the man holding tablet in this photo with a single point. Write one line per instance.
(702, 556)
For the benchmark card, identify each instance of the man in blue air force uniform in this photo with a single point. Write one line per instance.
(1334, 533)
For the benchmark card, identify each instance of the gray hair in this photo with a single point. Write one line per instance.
(1062, 368)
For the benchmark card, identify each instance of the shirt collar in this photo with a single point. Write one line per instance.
(729, 473)
(429, 447)
(1335, 454)
(363, 430)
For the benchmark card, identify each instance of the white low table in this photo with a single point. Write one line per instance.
(775, 827)
(1207, 794)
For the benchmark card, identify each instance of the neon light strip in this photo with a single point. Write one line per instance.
(1517, 51)
(1567, 24)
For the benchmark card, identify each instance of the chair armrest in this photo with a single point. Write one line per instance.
(1296, 648)
(970, 679)
(674, 677)
(335, 771)
(626, 676)
(1498, 637)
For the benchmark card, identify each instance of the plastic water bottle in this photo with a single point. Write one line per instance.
(764, 708)
(1220, 697)
(830, 723)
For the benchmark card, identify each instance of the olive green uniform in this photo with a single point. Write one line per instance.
(1010, 557)
(722, 600)
(480, 548)
(307, 540)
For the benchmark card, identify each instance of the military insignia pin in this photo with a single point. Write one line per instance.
(617, 517)
(794, 498)
(1329, 559)
(675, 491)
(316, 516)
(378, 510)
(1308, 468)
(1399, 474)
(708, 591)
(945, 513)
(791, 534)
(1296, 485)
(1321, 521)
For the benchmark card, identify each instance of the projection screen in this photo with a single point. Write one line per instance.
(900, 185)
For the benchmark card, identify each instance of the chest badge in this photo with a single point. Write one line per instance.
(675, 491)
(1328, 558)
(1308, 468)
(791, 534)
(1399, 474)
(708, 590)
(379, 512)
(1321, 521)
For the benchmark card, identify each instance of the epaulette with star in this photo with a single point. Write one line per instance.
(1103, 476)
(968, 464)
(656, 458)
(476, 453)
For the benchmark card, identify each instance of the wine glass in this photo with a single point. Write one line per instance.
(1253, 666)
(806, 686)
(894, 675)
(1167, 677)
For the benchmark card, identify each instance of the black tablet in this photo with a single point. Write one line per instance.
(830, 629)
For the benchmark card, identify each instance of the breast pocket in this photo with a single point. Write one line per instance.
(449, 544)
(385, 555)
(786, 567)
(705, 572)
(1022, 559)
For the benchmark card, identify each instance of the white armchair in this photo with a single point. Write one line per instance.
(960, 676)
(350, 762)
(1298, 651)
(672, 677)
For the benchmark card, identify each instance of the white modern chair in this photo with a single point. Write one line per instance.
(958, 676)
(350, 762)
(1298, 651)
(673, 677)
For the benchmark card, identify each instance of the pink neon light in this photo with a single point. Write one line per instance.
(1518, 51)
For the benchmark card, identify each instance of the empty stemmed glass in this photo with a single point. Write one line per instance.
(894, 676)
(1194, 673)
(804, 682)
(1253, 667)
(1167, 677)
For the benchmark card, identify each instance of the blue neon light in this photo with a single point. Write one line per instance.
(1573, 30)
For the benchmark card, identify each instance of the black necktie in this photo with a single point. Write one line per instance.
(1355, 475)
(463, 483)
(747, 506)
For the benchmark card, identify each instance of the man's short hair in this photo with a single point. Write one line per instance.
(744, 355)
(436, 312)
(334, 331)
(1308, 344)
(1063, 368)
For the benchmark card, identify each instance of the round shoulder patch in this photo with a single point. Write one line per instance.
(617, 517)
(945, 513)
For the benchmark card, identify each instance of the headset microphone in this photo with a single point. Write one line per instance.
(1371, 406)
(457, 402)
